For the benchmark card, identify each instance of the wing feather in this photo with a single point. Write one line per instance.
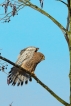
(26, 54)
(17, 76)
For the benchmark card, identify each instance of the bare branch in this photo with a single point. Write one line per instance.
(67, 27)
(49, 16)
(27, 3)
(9, 15)
(63, 2)
(38, 81)
(15, 8)
(45, 13)
(68, 3)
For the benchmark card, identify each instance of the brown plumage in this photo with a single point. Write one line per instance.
(18, 76)
(32, 63)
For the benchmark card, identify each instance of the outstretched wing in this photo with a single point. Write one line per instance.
(26, 54)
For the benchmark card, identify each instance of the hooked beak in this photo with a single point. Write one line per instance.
(43, 58)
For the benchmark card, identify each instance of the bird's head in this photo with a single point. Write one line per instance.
(39, 57)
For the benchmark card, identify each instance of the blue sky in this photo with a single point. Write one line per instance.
(31, 28)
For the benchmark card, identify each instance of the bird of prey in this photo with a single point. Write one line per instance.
(28, 60)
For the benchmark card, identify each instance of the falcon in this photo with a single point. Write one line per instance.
(28, 60)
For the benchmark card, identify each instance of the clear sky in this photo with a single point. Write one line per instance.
(31, 28)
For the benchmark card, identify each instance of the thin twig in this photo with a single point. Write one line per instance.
(8, 14)
(63, 2)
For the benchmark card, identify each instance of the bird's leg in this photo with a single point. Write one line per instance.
(33, 73)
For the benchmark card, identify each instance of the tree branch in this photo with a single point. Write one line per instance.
(38, 81)
(63, 2)
(65, 31)
(9, 15)
(27, 3)
(67, 27)
(44, 13)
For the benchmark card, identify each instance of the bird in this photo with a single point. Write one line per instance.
(28, 60)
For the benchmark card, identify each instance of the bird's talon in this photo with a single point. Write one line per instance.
(33, 73)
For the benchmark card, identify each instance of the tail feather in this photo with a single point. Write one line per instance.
(10, 81)
(26, 82)
(21, 83)
(10, 71)
(30, 79)
(16, 79)
(9, 75)
(13, 83)
(16, 76)
(22, 80)
(18, 83)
